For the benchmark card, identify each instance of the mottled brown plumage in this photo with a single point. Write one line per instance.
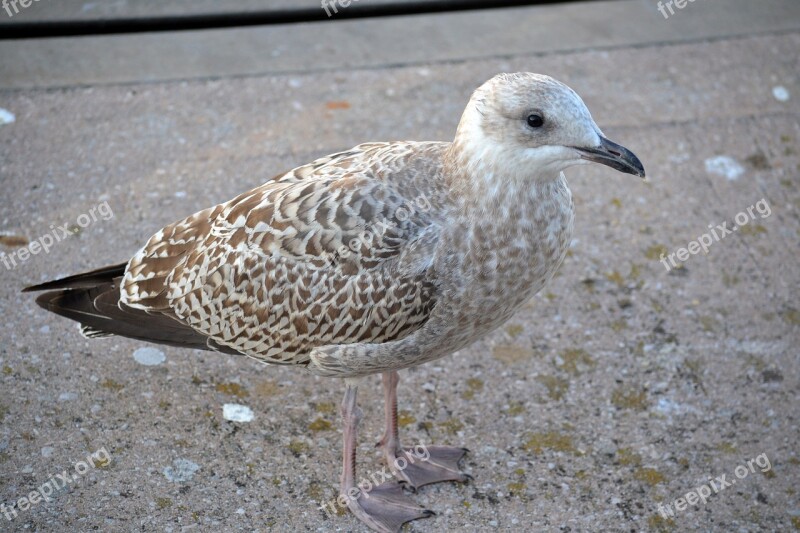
(314, 257)
(368, 261)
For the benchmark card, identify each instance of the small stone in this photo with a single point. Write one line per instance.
(149, 356)
(237, 413)
(6, 117)
(67, 396)
(47, 451)
(724, 166)
(781, 93)
(182, 470)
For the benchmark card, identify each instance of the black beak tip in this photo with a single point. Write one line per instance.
(636, 167)
(615, 156)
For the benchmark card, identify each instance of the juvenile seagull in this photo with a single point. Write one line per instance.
(368, 261)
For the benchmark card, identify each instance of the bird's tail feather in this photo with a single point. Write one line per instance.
(92, 299)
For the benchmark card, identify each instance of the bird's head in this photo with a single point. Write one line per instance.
(524, 121)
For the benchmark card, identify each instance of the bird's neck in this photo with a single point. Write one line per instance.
(483, 177)
(511, 232)
(493, 202)
(502, 201)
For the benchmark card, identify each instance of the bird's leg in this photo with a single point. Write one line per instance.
(384, 508)
(421, 465)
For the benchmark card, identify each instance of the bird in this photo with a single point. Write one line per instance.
(368, 261)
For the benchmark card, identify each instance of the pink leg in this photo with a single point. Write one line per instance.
(411, 465)
(384, 508)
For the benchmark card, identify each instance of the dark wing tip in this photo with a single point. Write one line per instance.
(81, 281)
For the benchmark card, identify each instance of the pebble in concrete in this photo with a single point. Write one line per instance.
(182, 470)
(6, 117)
(237, 413)
(149, 356)
(781, 93)
(725, 166)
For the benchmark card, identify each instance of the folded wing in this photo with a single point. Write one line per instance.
(334, 252)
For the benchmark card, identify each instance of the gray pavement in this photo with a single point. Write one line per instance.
(345, 45)
(618, 389)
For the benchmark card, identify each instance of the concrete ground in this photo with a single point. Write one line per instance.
(617, 390)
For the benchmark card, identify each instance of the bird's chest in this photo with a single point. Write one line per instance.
(509, 253)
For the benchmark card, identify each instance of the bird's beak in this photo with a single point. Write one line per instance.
(613, 155)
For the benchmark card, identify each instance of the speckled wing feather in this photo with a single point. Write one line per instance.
(335, 252)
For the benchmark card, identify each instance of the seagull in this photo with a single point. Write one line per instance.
(368, 261)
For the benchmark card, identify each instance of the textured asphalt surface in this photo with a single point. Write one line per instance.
(618, 389)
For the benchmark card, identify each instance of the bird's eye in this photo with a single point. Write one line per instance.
(535, 121)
